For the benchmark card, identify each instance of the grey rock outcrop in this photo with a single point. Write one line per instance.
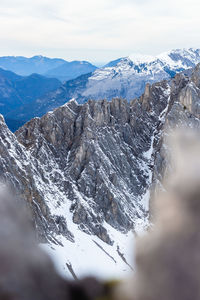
(88, 168)
(184, 113)
(97, 149)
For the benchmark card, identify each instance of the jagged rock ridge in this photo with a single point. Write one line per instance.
(86, 170)
(88, 165)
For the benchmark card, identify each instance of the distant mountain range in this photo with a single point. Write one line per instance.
(128, 76)
(38, 107)
(124, 77)
(49, 67)
(25, 66)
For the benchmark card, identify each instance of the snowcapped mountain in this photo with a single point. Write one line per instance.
(85, 171)
(125, 77)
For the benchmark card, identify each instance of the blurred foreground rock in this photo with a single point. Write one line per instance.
(168, 258)
(26, 272)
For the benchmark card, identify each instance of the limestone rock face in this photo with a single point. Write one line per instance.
(189, 96)
(85, 169)
(97, 149)
(184, 113)
(196, 76)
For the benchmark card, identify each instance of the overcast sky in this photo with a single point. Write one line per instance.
(97, 30)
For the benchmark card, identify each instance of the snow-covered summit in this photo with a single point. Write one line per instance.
(182, 58)
(128, 76)
(141, 58)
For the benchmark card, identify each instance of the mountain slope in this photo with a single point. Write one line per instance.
(128, 76)
(68, 90)
(125, 77)
(16, 90)
(9, 98)
(116, 161)
(71, 70)
(86, 169)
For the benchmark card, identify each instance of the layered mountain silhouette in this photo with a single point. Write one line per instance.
(49, 67)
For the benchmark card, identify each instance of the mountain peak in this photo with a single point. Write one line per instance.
(141, 58)
(170, 57)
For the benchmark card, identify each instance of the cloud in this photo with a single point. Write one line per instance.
(97, 30)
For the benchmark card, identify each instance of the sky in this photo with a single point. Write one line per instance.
(97, 30)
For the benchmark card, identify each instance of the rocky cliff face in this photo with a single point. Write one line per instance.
(98, 150)
(183, 113)
(86, 171)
